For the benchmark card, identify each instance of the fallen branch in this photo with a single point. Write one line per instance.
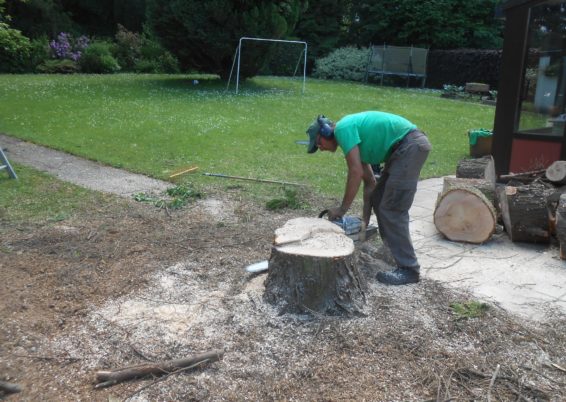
(107, 378)
(166, 377)
(9, 388)
(529, 176)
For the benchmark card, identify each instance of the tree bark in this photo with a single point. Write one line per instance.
(313, 268)
(111, 377)
(480, 168)
(465, 214)
(561, 225)
(556, 172)
(524, 212)
(486, 187)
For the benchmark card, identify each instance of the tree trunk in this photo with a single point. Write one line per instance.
(556, 172)
(480, 168)
(465, 214)
(561, 225)
(524, 212)
(313, 267)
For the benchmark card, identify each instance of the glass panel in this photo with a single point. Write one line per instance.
(543, 107)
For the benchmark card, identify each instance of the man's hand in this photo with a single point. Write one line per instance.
(335, 214)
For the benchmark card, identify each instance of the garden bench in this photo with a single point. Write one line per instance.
(396, 60)
(476, 88)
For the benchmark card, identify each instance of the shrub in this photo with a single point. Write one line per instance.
(97, 58)
(128, 48)
(14, 49)
(39, 53)
(155, 59)
(64, 66)
(346, 63)
(67, 47)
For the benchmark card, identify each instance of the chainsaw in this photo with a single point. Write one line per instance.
(353, 227)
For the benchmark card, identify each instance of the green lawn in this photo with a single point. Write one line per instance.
(154, 124)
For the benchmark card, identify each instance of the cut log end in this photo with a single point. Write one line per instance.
(313, 237)
(556, 172)
(465, 215)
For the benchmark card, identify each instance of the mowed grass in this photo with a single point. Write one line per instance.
(36, 198)
(155, 124)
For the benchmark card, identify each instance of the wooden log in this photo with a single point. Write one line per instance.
(524, 212)
(556, 172)
(465, 214)
(107, 378)
(313, 268)
(486, 187)
(552, 202)
(561, 225)
(479, 168)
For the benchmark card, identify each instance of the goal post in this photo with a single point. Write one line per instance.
(238, 53)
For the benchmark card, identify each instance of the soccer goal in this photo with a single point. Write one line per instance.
(237, 59)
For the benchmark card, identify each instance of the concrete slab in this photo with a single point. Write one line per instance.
(80, 171)
(527, 280)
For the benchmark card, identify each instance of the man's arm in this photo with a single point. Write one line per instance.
(356, 174)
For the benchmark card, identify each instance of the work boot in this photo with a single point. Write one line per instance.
(400, 276)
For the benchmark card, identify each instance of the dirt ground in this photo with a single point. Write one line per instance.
(128, 283)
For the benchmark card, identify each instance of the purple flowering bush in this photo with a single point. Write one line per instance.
(67, 47)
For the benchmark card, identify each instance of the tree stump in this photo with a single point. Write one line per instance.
(524, 212)
(313, 267)
(561, 225)
(479, 168)
(556, 172)
(464, 214)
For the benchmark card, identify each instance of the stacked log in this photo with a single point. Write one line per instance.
(478, 168)
(531, 205)
(556, 172)
(524, 212)
(465, 209)
(463, 213)
(313, 268)
(561, 225)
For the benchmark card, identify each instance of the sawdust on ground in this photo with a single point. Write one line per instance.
(129, 283)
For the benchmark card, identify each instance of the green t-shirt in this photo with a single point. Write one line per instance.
(373, 132)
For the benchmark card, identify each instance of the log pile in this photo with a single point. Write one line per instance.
(313, 268)
(530, 205)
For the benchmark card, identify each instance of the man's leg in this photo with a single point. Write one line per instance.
(392, 201)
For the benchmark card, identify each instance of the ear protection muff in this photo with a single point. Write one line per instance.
(325, 129)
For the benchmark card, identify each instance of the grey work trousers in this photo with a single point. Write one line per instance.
(395, 193)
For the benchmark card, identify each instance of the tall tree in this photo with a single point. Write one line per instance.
(321, 25)
(39, 17)
(440, 24)
(204, 34)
